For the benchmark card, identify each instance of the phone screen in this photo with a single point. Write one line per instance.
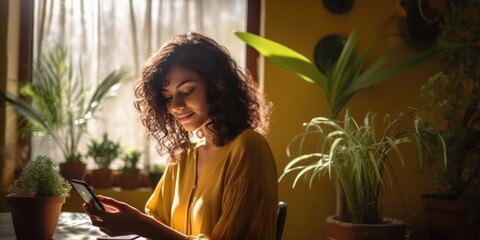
(87, 194)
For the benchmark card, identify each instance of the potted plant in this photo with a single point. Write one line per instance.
(419, 22)
(155, 173)
(357, 154)
(58, 104)
(451, 101)
(129, 178)
(103, 153)
(36, 199)
(345, 77)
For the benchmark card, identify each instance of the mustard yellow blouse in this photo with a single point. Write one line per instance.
(236, 197)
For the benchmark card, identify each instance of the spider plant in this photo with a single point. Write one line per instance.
(358, 155)
(348, 75)
(58, 103)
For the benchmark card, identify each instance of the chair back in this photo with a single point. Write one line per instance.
(282, 216)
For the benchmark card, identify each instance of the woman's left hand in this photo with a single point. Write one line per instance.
(118, 219)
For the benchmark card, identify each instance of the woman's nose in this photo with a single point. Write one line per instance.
(177, 103)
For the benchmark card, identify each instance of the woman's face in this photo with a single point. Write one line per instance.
(186, 97)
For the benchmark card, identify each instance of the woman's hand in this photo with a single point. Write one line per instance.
(118, 219)
(123, 219)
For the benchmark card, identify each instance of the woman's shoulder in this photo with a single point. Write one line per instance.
(249, 139)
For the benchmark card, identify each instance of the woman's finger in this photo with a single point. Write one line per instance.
(91, 210)
(112, 202)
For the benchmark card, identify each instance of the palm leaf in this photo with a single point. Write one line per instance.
(285, 57)
(55, 100)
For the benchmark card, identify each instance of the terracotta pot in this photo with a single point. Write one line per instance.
(391, 229)
(102, 178)
(129, 179)
(34, 217)
(73, 170)
(447, 220)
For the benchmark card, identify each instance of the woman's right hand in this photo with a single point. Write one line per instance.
(122, 219)
(118, 219)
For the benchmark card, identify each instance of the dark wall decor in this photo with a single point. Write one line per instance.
(338, 6)
(327, 51)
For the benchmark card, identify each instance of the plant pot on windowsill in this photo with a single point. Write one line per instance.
(129, 179)
(103, 152)
(447, 219)
(391, 229)
(102, 178)
(73, 170)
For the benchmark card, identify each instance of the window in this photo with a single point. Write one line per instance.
(105, 35)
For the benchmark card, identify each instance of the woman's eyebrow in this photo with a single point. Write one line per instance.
(178, 86)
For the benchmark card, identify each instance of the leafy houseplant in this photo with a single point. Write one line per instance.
(36, 199)
(452, 104)
(130, 173)
(103, 153)
(348, 75)
(58, 103)
(358, 155)
(130, 159)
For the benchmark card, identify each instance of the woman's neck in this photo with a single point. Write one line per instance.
(202, 137)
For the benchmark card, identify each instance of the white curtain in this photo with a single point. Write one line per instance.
(110, 34)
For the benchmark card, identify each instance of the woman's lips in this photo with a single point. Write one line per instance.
(183, 117)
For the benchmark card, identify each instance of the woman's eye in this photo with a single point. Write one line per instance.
(168, 99)
(189, 91)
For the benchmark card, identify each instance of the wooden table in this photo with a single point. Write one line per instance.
(71, 226)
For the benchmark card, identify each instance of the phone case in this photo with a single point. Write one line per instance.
(87, 194)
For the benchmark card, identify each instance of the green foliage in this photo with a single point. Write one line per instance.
(451, 103)
(58, 103)
(130, 159)
(104, 152)
(348, 75)
(41, 178)
(360, 179)
(357, 154)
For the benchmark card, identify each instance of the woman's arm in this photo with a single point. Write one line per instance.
(123, 219)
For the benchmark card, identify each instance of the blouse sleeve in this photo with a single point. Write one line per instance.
(250, 199)
(159, 203)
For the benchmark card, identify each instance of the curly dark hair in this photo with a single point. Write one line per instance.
(235, 102)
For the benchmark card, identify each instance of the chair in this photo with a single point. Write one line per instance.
(282, 216)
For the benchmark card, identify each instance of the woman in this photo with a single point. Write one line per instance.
(221, 181)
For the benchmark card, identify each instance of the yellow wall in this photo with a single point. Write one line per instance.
(299, 25)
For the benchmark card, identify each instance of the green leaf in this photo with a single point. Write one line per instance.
(285, 58)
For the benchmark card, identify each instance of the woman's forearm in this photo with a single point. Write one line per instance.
(154, 229)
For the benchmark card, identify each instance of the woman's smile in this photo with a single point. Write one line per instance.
(184, 116)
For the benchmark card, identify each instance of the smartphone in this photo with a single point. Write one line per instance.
(87, 194)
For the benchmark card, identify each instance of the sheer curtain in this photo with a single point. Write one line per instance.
(109, 34)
